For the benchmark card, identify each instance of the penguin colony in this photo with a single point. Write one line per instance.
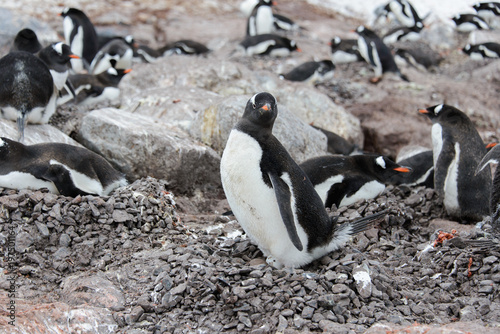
(280, 203)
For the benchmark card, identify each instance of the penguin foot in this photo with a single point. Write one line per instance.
(375, 80)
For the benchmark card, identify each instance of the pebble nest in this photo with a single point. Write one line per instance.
(181, 273)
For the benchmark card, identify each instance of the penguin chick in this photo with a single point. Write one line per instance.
(457, 150)
(272, 198)
(344, 180)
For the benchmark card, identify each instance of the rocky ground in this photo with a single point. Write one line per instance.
(148, 259)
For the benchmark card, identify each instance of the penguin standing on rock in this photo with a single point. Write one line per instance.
(27, 91)
(375, 52)
(80, 35)
(457, 150)
(261, 21)
(63, 169)
(272, 198)
(344, 180)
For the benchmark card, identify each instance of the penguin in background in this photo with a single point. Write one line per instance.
(375, 52)
(337, 144)
(344, 50)
(26, 40)
(493, 157)
(457, 151)
(116, 53)
(344, 180)
(404, 12)
(311, 71)
(482, 51)
(183, 47)
(57, 57)
(261, 21)
(470, 22)
(420, 161)
(403, 34)
(27, 93)
(272, 198)
(283, 23)
(80, 35)
(63, 169)
(268, 44)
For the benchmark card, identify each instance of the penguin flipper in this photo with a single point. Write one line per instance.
(445, 158)
(61, 178)
(493, 156)
(283, 197)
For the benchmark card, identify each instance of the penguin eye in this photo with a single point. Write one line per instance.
(254, 105)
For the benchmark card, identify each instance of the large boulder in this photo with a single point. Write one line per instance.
(213, 125)
(35, 133)
(140, 146)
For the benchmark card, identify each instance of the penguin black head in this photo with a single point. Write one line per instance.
(57, 53)
(26, 40)
(365, 32)
(386, 167)
(261, 110)
(443, 113)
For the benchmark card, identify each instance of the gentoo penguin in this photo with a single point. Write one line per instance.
(268, 44)
(344, 180)
(493, 157)
(403, 34)
(57, 57)
(311, 71)
(26, 40)
(420, 161)
(116, 53)
(470, 22)
(344, 50)
(404, 12)
(93, 89)
(335, 144)
(482, 51)
(376, 53)
(272, 198)
(183, 47)
(457, 150)
(27, 91)
(283, 23)
(80, 35)
(63, 169)
(487, 10)
(417, 54)
(246, 7)
(261, 21)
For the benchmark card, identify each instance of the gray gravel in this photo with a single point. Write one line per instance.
(173, 272)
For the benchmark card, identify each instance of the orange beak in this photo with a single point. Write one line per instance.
(299, 50)
(490, 145)
(423, 111)
(128, 70)
(74, 56)
(265, 107)
(402, 169)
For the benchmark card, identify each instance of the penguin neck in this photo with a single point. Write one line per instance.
(255, 130)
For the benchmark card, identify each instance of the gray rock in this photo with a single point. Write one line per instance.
(213, 125)
(23, 241)
(140, 146)
(363, 280)
(35, 133)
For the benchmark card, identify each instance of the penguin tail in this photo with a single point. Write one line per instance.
(404, 77)
(21, 124)
(346, 230)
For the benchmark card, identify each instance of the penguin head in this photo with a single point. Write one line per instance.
(261, 110)
(61, 53)
(444, 114)
(385, 167)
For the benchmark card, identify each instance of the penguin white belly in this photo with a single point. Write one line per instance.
(280, 52)
(109, 94)
(489, 53)
(341, 57)
(77, 49)
(323, 188)
(437, 141)
(450, 200)
(466, 27)
(41, 115)
(254, 203)
(476, 56)
(260, 47)
(59, 78)
(20, 180)
(369, 190)
(264, 20)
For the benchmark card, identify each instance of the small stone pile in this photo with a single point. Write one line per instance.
(147, 267)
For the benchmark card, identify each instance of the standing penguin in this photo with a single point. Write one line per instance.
(63, 169)
(375, 52)
(457, 150)
(261, 21)
(272, 198)
(26, 40)
(344, 180)
(493, 157)
(27, 91)
(80, 35)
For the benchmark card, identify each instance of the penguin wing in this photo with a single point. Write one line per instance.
(61, 178)
(283, 197)
(445, 158)
(493, 156)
